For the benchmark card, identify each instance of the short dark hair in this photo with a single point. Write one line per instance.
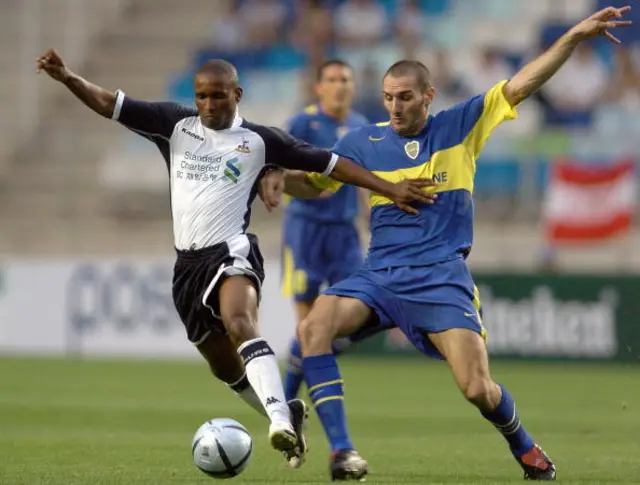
(411, 68)
(331, 62)
(219, 67)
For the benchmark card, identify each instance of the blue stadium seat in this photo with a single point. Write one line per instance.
(284, 57)
(497, 176)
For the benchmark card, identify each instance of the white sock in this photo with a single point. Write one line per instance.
(242, 388)
(263, 373)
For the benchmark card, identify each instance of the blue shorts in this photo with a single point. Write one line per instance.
(316, 253)
(419, 300)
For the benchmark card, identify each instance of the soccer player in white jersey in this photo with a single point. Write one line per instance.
(215, 160)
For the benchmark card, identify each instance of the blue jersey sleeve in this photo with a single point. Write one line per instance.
(350, 146)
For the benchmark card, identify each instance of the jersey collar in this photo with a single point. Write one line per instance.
(421, 134)
(237, 121)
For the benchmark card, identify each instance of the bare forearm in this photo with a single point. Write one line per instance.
(351, 173)
(297, 185)
(98, 99)
(533, 76)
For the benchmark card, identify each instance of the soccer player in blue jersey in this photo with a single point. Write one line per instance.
(321, 242)
(415, 276)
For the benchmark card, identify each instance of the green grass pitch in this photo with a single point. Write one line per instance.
(83, 422)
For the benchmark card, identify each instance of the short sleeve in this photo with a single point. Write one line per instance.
(491, 110)
(349, 147)
(288, 152)
(155, 119)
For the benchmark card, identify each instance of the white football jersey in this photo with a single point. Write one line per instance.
(214, 174)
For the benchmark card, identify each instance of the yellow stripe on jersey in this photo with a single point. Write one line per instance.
(448, 168)
(383, 123)
(496, 110)
(452, 168)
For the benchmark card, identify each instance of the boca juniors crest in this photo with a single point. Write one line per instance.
(341, 131)
(412, 149)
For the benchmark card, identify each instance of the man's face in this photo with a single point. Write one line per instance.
(217, 97)
(406, 103)
(336, 88)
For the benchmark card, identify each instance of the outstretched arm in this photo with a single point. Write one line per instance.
(540, 70)
(100, 100)
(152, 120)
(290, 153)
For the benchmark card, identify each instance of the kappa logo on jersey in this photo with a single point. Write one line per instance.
(192, 134)
(243, 147)
(272, 400)
(232, 172)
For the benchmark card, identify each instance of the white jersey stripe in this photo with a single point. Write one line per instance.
(117, 109)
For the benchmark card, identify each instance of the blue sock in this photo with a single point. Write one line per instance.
(506, 420)
(324, 382)
(293, 377)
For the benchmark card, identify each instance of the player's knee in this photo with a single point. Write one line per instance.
(240, 327)
(314, 334)
(481, 391)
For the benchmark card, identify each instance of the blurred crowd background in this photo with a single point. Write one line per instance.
(74, 184)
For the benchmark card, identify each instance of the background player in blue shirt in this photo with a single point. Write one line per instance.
(415, 276)
(321, 242)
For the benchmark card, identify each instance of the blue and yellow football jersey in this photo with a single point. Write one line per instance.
(446, 151)
(319, 129)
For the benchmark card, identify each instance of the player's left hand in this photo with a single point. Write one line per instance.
(412, 190)
(600, 23)
(271, 189)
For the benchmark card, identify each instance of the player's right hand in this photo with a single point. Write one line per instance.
(412, 190)
(53, 65)
(271, 188)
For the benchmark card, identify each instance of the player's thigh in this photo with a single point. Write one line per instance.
(189, 282)
(331, 317)
(466, 353)
(222, 357)
(238, 302)
(302, 265)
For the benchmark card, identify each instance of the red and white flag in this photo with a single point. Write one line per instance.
(590, 203)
